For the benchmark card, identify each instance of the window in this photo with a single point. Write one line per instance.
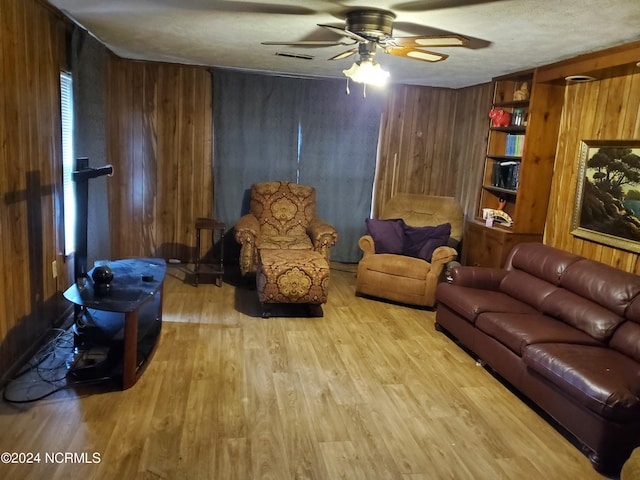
(66, 91)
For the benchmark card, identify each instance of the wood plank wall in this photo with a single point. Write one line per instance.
(159, 122)
(159, 129)
(602, 110)
(416, 138)
(32, 49)
(470, 133)
(433, 141)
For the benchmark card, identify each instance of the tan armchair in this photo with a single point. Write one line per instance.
(282, 215)
(402, 278)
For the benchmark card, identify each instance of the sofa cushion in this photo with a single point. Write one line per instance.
(610, 287)
(582, 313)
(516, 331)
(471, 302)
(626, 339)
(420, 242)
(526, 287)
(633, 310)
(599, 378)
(388, 235)
(540, 260)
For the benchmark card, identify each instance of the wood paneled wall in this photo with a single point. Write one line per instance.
(415, 143)
(32, 49)
(470, 132)
(159, 134)
(602, 110)
(432, 142)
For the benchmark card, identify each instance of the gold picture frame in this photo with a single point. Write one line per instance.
(607, 201)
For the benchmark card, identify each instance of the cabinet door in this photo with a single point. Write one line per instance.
(483, 246)
(489, 246)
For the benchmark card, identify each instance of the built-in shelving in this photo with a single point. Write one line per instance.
(518, 180)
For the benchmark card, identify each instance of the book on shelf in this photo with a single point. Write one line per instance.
(515, 145)
(505, 174)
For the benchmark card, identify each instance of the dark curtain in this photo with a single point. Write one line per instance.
(255, 137)
(302, 130)
(88, 65)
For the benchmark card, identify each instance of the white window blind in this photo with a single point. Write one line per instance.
(66, 90)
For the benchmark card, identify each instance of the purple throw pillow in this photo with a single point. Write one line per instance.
(388, 235)
(420, 242)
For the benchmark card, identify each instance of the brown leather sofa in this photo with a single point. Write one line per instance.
(565, 331)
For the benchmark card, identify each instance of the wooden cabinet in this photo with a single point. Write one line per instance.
(518, 167)
(489, 247)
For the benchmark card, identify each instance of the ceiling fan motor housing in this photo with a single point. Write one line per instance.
(371, 24)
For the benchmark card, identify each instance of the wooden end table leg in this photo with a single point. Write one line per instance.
(197, 266)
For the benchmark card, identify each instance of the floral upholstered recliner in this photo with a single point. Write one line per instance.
(282, 215)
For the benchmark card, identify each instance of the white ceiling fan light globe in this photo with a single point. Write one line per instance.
(367, 72)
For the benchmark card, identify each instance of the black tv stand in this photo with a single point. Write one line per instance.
(127, 319)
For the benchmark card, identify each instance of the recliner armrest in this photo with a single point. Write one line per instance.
(322, 234)
(366, 245)
(247, 229)
(443, 255)
(477, 277)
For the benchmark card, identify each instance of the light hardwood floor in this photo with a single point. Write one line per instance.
(369, 391)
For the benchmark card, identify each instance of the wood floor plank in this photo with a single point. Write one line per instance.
(231, 456)
(300, 441)
(368, 391)
(342, 461)
(329, 424)
(264, 430)
(231, 394)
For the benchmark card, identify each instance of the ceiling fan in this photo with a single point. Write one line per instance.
(372, 29)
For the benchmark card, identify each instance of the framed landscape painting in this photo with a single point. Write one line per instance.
(607, 202)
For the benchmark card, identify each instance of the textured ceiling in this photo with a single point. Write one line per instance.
(513, 35)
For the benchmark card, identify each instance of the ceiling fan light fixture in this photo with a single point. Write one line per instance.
(368, 72)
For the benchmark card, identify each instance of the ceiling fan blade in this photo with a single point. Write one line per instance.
(415, 54)
(345, 54)
(418, 30)
(344, 32)
(432, 41)
(311, 43)
(258, 7)
(421, 6)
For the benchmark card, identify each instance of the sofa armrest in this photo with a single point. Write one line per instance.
(477, 277)
(366, 245)
(247, 229)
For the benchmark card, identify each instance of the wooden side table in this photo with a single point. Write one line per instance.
(216, 269)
